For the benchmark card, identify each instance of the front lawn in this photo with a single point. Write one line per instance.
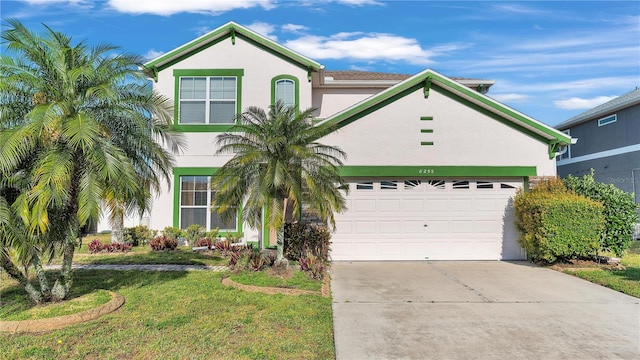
(626, 281)
(179, 315)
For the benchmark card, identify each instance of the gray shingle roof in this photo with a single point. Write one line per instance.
(621, 102)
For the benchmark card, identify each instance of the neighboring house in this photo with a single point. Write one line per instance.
(432, 162)
(608, 142)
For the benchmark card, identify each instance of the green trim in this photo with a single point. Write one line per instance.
(196, 171)
(459, 93)
(423, 143)
(554, 146)
(525, 183)
(265, 228)
(427, 86)
(178, 73)
(426, 131)
(426, 118)
(233, 31)
(437, 171)
(296, 86)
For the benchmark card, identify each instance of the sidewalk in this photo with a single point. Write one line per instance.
(159, 267)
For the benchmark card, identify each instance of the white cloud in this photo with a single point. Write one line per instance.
(576, 103)
(152, 54)
(294, 28)
(170, 7)
(512, 97)
(365, 47)
(264, 29)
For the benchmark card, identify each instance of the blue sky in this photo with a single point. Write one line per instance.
(551, 60)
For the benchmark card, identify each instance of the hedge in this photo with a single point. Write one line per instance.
(555, 224)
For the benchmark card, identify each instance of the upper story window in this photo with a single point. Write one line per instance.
(207, 99)
(608, 120)
(285, 89)
(565, 153)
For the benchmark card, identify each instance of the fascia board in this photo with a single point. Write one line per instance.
(362, 108)
(226, 31)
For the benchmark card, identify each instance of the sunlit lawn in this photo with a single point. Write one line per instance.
(626, 281)
(183, 315)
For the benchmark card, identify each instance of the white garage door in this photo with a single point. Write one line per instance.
(428, 219)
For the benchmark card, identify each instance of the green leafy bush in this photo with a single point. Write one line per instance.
(619, 211)
(139, 235)
(313, 266)
(193, 233)
(556, 224)
(163, 243)
(302, 239)
(172, 232)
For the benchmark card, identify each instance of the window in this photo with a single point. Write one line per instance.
(565, 153)
(460, 184)
(285, 89)
(207, 100)
(484, 185)
(388, 185)
(608, 120)
(196, 207)
(366, 185)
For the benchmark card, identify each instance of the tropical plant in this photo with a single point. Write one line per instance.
(277, 165)
(79, 126)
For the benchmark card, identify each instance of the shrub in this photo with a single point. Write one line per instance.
(95, 246)
(172, 232)
(556, 224)
(256, 261)
(302, 239)
(205, 242)
(233, 238)
(139, 235)
(223, 247)
(193, 233)
(619, 211)
(313, 266)
(163, 243)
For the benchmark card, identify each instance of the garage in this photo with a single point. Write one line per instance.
(428, 219)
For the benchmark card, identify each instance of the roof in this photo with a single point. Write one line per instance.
(621, 102)
(229, 30)
(428, 78)
(363, 75)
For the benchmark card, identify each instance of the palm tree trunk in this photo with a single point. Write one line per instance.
(117, 225)
(45, 291)
(280, 260)
(63, 283)
(11, 269)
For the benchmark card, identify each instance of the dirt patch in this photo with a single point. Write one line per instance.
(41, 325)
(275, 290)
(585, 265)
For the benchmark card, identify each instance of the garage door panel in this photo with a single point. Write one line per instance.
(466, 220)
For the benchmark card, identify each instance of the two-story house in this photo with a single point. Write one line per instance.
(608, 142)
(433, 163)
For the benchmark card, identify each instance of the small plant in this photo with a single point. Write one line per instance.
(95, 246)
(205, 242)
(139, 235)
(223, 247)
(233, 238)
(302, 239)
(313, 266)
(212, 234)
(163, 243)
(193, 233)
(256, 261)
(172, 232)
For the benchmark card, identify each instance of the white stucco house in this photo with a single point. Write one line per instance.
(432, 165)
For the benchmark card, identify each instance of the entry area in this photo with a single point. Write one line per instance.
(477, 310)
(428, 219)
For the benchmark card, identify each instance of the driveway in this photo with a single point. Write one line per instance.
(477, 310)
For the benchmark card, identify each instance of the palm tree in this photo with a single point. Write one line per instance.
(79, 126)
(277, 165)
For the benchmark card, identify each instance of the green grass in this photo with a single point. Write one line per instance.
(299, 280)
(626, 281)
(16, 306)
(179, 315)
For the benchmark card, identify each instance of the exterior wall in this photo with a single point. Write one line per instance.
(616, 170)
(462, 136)
(259, 68)
(329, 101)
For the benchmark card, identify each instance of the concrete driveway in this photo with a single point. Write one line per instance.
(477, 310)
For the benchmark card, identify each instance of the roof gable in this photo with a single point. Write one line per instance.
(428, 78)
(621, 102)
(230, 30)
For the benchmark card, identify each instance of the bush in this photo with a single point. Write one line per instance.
(139, 235)
(619, 211)
(302, 239)
(95, 246)
(205, 242)
(163, 243)
(556, 224)
(172, 232)
(313, 266)
(193, 233)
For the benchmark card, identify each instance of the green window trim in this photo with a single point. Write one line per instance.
(178, 73)
(196, 171)
(296, 85)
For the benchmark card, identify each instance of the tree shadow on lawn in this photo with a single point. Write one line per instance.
(630, 273)
(179, 257)
(88, 281)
